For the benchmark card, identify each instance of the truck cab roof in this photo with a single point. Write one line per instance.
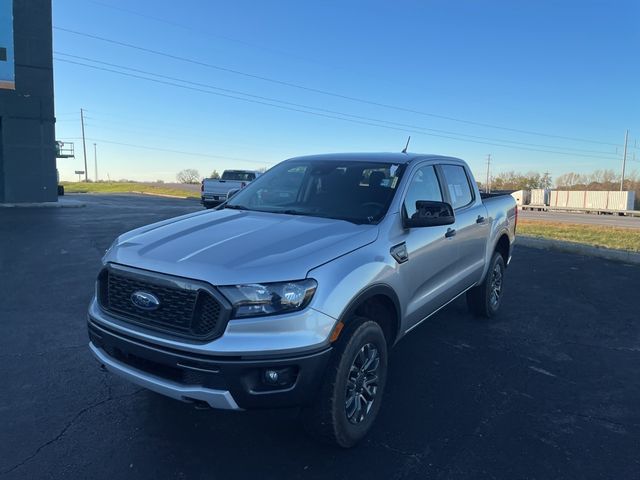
(381, 157)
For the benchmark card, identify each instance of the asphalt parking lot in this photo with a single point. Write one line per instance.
(549, 390)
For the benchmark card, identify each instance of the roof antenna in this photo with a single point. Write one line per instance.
(407, 145)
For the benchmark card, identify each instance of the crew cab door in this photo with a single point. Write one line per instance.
(471, 226)
(430, 252)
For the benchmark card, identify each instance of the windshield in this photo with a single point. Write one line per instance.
(238, 175)
(359, 192)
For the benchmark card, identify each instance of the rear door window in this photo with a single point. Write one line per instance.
(457, 185)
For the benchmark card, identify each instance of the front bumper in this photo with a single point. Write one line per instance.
(220, 382)
(296, 333)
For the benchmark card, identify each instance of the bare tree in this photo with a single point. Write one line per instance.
(188, 175)
(609, 176)
(215, 175)
(545, 181)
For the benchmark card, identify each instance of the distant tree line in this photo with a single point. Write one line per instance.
(596, 180)
(520, 181)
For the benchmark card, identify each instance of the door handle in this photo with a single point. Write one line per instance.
(480, 219)
(451, 232)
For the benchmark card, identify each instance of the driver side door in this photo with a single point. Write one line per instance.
(426, 275)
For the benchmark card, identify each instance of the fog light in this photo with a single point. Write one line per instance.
(279, 377)
(271, 376)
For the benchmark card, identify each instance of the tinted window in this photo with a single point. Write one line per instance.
(457, 185)
(356, 191)
(424, 186)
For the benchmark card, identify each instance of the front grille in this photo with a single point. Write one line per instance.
(184, 309)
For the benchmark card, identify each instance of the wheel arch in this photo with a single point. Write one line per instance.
(379, 303)
(503, 247)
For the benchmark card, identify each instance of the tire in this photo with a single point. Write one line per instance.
(60, 190)
(334, 418)
(484, 300)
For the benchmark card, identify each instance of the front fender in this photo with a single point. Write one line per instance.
(346, 279)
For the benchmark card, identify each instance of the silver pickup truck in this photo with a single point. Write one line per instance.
(293, 291)
(214, 191)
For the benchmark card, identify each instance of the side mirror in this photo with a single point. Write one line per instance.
(430, 214)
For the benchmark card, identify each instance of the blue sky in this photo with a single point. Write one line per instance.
(567, 69)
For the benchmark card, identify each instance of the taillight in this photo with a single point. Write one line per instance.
(202, 186)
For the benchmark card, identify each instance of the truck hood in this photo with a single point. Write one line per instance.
(227, 247)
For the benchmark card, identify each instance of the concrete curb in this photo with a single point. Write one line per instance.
(136, 192)
(579, 248)
(166, 195)
(61, 203)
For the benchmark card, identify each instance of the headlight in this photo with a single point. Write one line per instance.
(258, 299)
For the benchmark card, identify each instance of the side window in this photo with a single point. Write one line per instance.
(457, 185)
(424, 186)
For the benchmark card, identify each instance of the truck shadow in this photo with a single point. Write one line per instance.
(425, 406)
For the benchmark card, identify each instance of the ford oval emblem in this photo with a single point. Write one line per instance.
(145, 300)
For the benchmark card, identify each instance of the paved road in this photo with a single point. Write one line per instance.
(581, 218)
(547, 390)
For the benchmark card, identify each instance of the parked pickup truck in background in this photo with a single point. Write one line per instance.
(214, 191)
(294, 291)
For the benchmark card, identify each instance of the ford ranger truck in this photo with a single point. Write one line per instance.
(292, 292)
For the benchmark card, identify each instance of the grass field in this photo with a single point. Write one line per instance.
(610, 237)
(128, 187)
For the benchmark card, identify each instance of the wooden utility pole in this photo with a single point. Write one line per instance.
(84, 147)
(624, 159)
(95, 159)
(487, 187)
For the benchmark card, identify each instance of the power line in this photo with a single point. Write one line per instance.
(359, 117)
(382, 124)
(208, 33)
(121, 119)
(181, 152)
(152, 133)
(323, 92)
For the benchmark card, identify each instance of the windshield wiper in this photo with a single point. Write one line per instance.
(292, 212)
(320, 215)
(236, 207)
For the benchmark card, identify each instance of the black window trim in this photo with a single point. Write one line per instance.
(440, 172)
